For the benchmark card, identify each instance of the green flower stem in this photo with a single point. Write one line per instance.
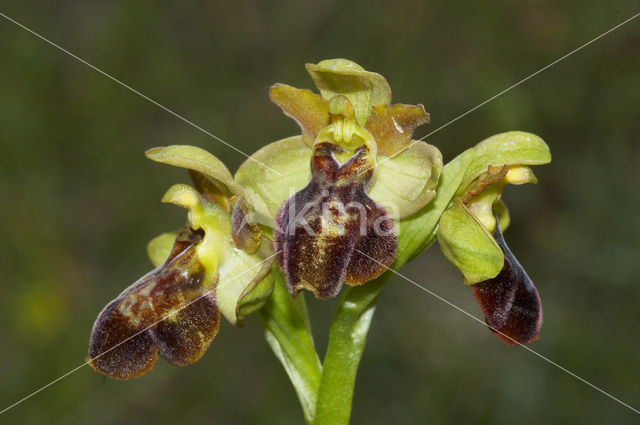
(346, 344)
(285, 321)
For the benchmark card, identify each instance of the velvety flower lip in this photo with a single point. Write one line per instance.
(171, 311)
(323, 227)
(510, 301)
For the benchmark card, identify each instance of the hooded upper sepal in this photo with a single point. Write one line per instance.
(510, 301)
(467, 243)
(331, 231)
(364, 89)
(171, 310)
(513, 148)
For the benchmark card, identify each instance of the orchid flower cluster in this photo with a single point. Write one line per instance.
(343, 202)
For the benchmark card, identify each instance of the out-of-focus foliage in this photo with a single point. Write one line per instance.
(79, 200)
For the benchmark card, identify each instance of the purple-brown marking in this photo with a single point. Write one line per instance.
(322, 227)
(510, 301)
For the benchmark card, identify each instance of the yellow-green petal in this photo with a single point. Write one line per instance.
(407, 182)
(469, 245)
(267, 190)
(393, 125)
(308, 109)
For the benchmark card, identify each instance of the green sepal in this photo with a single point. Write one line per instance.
(198, 160)
(510, 148)
(417, 232)
(244, 286)
(343, 77)
(159, 248)
(268, 190)
(481, 206)
(404, 184)
(254, 299)
(504, 219)
(469, 245)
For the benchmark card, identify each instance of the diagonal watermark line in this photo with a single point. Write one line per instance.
(44, 387)
(511, 87)
(506, 336)
(175, 114)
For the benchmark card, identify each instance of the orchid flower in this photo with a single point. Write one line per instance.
(470, 235)
(215, 264)
(351, 172)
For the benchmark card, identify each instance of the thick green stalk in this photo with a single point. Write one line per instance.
(287, 329)
(346, 343)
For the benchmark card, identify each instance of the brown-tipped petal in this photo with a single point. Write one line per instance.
(161, 310)
(308, 109)
(184, 337)
(392, 126)
(510, 301)
(320, 227)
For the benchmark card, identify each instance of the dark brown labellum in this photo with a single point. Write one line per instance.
(323, 229)
(171, 310)
(510, 301)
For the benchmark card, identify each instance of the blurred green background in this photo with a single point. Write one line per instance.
(79, 201)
